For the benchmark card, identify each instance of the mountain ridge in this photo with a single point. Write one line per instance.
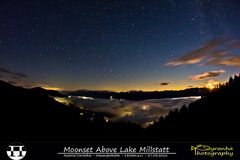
(141, 95)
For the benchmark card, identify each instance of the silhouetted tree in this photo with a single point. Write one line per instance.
(214, 115)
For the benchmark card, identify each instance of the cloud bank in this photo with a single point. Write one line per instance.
(11, 73)
(11, 76)
(141, 112)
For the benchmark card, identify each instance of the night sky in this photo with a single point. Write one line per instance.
(119, 45)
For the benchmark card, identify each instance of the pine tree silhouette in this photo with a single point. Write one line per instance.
(214, 115)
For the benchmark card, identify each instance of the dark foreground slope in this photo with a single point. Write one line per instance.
(214, 115)
(31, 112)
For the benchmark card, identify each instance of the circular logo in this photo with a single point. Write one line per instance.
(16, 151)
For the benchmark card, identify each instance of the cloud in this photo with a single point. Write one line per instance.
(21, 79)
(163, 83)
(207, 75)
(233, 61)
(236, 44)
(15, 74)
(12, 77)
(199, 54)
(217, 52)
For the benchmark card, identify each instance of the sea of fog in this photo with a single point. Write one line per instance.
(141, 112)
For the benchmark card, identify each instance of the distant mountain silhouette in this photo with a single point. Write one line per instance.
(32, 112)
(141, 95)
(214, 115)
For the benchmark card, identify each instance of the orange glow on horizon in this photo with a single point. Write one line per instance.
(181, 85)
(52, 88)
(211, 84)
(128, 88)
